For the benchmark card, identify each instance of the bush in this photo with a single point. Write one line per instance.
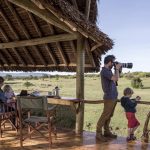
(8, 77)
(136, 83)
(28, 84)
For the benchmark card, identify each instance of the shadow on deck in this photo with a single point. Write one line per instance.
(67, 140)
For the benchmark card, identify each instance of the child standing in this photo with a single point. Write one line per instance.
(129, 106)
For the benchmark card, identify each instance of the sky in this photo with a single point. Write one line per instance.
(127, 23)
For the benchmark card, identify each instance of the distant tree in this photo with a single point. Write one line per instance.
(57, 77)
(27, 84)
(31, 77)
(44, 76)
(9, 77)
(136, 83)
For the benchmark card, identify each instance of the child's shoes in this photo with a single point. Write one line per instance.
(133, 137)
(128, 139)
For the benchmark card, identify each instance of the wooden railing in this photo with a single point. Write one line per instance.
(146, 130)
(102, 101)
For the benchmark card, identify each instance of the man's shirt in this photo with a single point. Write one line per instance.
(108, 85)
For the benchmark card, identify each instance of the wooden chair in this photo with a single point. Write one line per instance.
(34, 112)
(8, 114)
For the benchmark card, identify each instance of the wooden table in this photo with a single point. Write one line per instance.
(72, 102)
(65, 101)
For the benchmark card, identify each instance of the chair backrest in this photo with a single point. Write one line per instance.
(33, 103)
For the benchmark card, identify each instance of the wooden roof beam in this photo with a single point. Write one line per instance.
(87, 47)
(59, 47)
(38, 41)
(40, 35)
(9, 55)
(74, 2)
(9, 24)
(7, 40)
(5, 61)
(14, 32)
(96, 46)
(15, 14)
(73, 48)
(42, 13)
(28, 55)
(62, 53)
(87, 9)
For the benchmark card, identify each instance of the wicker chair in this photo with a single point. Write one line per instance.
(34, 112)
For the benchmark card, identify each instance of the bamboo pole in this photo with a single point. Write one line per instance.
(80, 83)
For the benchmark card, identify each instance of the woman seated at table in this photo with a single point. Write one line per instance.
(10, 96)
(4, 96)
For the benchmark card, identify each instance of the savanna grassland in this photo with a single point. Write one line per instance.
(93, 91)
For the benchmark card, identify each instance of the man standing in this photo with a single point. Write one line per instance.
(108, 81)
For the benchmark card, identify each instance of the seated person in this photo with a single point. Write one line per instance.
(10, 96)
(3, 99)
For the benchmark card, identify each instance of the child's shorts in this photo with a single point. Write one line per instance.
(132, 121)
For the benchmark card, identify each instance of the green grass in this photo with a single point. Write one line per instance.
(93, 91)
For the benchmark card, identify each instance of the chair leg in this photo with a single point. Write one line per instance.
(0, 129)
(50, 136)
(29, 130)
(55, 131)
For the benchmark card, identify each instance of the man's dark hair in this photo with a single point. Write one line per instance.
(109, 58)
(1, 79)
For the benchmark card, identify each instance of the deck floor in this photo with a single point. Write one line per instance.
(67, 140)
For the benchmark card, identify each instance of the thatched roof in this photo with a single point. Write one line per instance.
(42, 35)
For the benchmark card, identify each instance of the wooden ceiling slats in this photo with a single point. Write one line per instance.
(40, 35)
(4, 60)
(16, 16)
(59, 46)
(8, 23)
(25, 32)
(7, 40)
(18, 20)
(30, 6)
(34, 24)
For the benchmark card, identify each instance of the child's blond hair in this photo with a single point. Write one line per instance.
(7, 88)
(127, 91)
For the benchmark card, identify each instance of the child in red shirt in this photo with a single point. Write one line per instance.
(129, 106)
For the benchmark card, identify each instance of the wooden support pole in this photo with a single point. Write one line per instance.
(38, 41)
(80, 83)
